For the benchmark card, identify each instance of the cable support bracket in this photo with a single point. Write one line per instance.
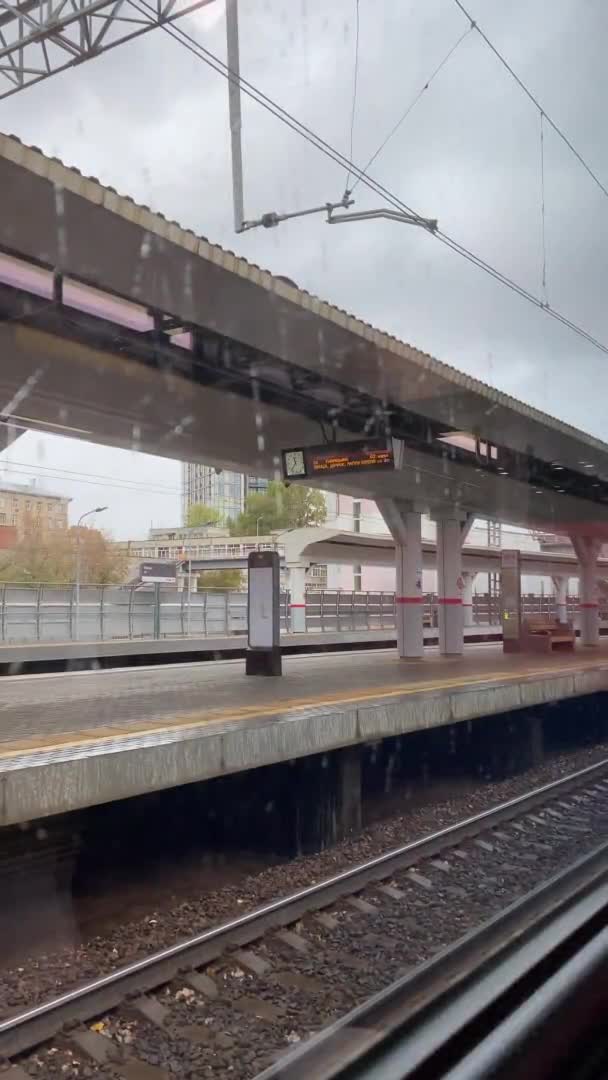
(430, 224)
(272, 219)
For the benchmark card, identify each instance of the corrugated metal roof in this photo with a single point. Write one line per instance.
(90, 188)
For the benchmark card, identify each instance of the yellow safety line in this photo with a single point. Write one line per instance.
(187, 721)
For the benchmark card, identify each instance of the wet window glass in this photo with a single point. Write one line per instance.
(303, 515)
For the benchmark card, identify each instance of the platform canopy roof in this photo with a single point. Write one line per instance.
(144, 335)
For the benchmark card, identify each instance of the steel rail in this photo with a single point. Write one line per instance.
(458, 1006)
(25, 1030)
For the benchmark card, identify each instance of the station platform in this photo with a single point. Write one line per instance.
(38, 656)
(72, 740)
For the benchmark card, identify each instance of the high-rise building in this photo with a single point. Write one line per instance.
(255, 485)
(221, 489)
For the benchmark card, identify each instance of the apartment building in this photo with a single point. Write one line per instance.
(19, 503)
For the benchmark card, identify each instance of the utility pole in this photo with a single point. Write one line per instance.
(271, 219)
(189, 593)
(234, 106)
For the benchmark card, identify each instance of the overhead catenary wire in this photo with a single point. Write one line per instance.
(218, 65)
(133, 490)
(355, 82)
(56, 473)
(412, 105)
(67, 476)
(552, 123)
(521, 291)
(542, 206)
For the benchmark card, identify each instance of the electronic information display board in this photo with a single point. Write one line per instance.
(364, 455)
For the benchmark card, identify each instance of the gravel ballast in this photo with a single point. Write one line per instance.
(254, 1005)
(41, 977)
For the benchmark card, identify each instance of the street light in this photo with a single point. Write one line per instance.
(95, 510)
(257, 525)
(203, 525)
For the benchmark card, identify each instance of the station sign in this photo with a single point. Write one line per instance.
(363, 455)
(158, 572)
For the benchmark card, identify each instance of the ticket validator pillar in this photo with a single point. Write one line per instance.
(263, 633)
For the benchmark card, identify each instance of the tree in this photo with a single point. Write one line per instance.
(200, 514)
(49, 555)
(220, 579)
(100, 562)
(281, 506)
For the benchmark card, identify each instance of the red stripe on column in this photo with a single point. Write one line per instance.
(449, 600)
(590, 605)
(297, 605)
(409, 600)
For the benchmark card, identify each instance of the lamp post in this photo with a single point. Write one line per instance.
(203, 525)
(95, 510)
(257, 525)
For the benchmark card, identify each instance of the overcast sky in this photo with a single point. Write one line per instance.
(151, 120)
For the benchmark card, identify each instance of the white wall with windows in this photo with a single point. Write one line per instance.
(362, 515)
(226, 491)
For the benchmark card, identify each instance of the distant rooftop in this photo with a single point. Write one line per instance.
(32, 490)
(187, 532)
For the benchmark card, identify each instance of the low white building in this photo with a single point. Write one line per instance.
(363, 516)
(347, 514)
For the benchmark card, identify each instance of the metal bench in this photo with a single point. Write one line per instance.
(542, 633)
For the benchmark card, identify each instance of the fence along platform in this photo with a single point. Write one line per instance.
(32, 613)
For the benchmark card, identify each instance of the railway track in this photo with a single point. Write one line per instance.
(525, 995)
(239, 995)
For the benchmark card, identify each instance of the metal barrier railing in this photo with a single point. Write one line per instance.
(46, 613)
(32, 612)
(339, 610)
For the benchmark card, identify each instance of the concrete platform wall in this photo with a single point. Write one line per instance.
(53, 781)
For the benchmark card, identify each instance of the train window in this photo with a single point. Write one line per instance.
(303, 518)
